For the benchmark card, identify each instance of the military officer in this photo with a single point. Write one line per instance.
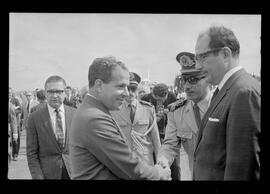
(137, 120)
(184, 117)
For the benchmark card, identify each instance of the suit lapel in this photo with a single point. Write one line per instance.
(221, 94)
(48, 126)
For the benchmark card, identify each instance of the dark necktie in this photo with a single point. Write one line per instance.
(214, 94)
(132, 112)
(59, 130)
(28, 107)
(197, 115)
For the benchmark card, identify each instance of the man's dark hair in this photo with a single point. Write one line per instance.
(55, 78)
(41, 95)
(160, 90)
(102, 68)
(221, 36)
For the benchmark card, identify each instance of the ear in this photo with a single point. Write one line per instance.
(99, 85)
(227, 52)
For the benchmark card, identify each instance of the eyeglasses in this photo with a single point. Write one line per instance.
(192, 79)
(201, 57)
(58, 92)
(132, 88)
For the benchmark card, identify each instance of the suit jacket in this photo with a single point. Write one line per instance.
(45, 158)
(98, 149)
(228, 141)
(144, 117)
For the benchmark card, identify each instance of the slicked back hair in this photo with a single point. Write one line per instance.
(221, 36)
(102, 68)
(55, 78)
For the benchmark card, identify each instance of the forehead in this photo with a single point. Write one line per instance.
(120, 76)
(55, 85)
(202, 44)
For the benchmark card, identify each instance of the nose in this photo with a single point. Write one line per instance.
(125, 93)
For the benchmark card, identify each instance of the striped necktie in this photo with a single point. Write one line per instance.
(59, 130)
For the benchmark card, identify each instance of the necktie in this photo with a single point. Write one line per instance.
(132, 112)
(59, 130)
(214, 94)
(197, 115)
(28, 107)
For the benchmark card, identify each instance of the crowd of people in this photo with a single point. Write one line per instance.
(117, 127)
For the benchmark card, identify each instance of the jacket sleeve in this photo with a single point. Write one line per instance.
(32, 150)
(242, 137)
(114, 153)
(169, 148)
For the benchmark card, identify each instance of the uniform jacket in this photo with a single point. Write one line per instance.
(228, 141)
(45, 158)
(98, 149)
(149, 141)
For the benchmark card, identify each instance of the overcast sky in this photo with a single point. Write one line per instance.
(44, 44)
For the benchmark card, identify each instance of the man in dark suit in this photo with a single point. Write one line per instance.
(98, 148)
(228, 145)
(41, 97)
(47, 134)
(69, 99)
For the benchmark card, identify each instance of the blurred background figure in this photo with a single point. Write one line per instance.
(69, 99)
(41, 97)
(83, 92)
(143, 90)
(27, 105)
(160, 97)
(15, 137)
(12, 133)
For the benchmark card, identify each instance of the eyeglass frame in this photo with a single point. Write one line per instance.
(202, 56)
(58, 92)
(186, 79)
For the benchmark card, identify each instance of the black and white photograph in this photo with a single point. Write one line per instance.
(134, 96)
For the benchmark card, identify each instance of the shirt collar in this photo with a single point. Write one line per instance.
(133, 103)
(52, 110)
(228, 75)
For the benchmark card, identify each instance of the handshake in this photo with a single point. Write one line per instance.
(163, 169)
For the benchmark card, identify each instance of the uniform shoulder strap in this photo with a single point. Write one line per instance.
(177, 104)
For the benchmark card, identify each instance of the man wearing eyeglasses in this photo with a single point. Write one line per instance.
(228, 146)
(137, 120)
(184, 117)
(47, 134)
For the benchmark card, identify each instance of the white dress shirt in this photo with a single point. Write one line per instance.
(53, 118)
(228, 75)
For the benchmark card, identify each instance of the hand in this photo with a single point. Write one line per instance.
(162, 161)
(164, 173)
